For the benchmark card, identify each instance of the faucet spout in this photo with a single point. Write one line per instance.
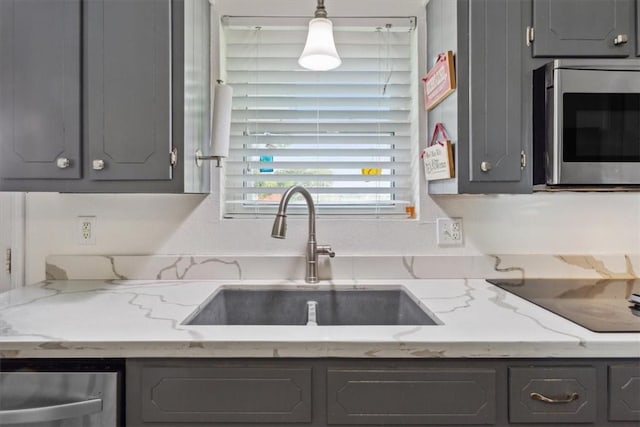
(279, 231)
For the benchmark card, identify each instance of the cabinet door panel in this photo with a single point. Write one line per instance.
(40, 89)
(581, 27)
(226, 394)
(409, 397)
(571, 390)
(637, 29)
(624, 392)
(495, 65)
(128, 53)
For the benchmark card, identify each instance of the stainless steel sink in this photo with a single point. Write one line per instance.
(250, 306)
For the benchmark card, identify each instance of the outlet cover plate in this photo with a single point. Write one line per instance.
(449, 232)
(86, 230)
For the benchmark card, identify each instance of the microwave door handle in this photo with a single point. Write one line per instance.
(51, 413)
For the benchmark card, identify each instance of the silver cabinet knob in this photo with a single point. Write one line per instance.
(620, 39)
(486, 166)
(63, 162)
(98, 165)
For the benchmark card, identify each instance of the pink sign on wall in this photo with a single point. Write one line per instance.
(440, 81)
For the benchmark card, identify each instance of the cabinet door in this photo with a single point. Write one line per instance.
(624, 392)
(581, 27)
(495, 75)
(638, 30)
(40, 89)
(214, 395)
(410, 397)
(552, 395)
(128, 89)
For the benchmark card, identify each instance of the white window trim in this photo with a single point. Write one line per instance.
(359, 8)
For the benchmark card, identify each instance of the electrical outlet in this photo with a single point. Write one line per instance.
(86, 230)
(449, 231)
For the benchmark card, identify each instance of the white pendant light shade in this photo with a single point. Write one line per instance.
(319, 52)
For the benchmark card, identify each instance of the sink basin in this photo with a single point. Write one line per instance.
(234, 306)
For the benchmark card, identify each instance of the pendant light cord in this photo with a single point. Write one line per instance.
(321, 12)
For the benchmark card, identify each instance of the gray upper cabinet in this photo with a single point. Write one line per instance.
(104, 95)
(40, 89)
(486, 115)
(637, 30)
(587, 28)
(128, 51)
(495, 66)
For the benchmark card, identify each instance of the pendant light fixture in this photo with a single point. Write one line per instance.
(319, 52)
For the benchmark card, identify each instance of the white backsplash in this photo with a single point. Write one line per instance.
(167, 267)
(541, 223)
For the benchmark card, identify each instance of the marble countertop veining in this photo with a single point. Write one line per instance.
(143, 318)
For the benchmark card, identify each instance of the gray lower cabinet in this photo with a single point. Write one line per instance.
(486, 117)
(104, 95)
(579, 28)
(389, 392)
(226, 394)
(624, 392)
(552, 395)
(411, 397)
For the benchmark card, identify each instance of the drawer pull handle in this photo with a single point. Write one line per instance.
(542, 398)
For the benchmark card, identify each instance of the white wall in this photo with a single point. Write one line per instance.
(549, 223)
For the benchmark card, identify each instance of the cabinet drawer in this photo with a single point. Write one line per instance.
(552, 395)
(226, 394)
(425, 396)
(624, 393)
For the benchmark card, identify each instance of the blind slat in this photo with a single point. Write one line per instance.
(346, 51)
(244, 178)
(337, 104)
(332, 77)
(319, 152)
(243, 89)
(341, 139)
(284, 116)
(288, 64)
(319, 164)
(391, 129)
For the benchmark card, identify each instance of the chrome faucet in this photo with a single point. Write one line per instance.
(279, 231)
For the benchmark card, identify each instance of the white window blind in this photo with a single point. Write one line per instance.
(347, 135)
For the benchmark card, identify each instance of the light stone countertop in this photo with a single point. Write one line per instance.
(143, 318)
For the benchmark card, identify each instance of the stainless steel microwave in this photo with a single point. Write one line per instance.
(587, 122)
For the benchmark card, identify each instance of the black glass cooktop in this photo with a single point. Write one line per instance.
(600, 305)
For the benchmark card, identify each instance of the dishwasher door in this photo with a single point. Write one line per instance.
(59, 399)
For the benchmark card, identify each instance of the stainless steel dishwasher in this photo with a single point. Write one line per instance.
(83, 398)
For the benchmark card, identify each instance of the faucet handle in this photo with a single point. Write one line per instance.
(325, 250)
